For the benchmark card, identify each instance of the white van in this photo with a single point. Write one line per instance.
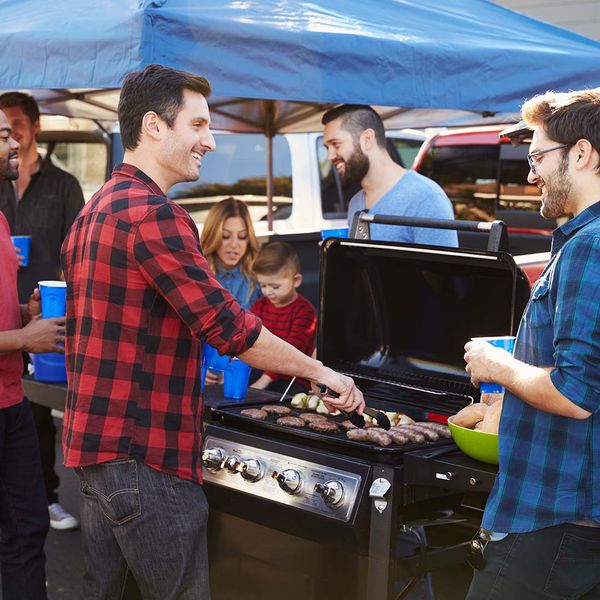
(308, 196)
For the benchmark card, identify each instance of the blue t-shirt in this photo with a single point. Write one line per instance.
(549, 469)
(239, 285)
(413, 196)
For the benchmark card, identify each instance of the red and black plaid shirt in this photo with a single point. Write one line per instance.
(140, 298)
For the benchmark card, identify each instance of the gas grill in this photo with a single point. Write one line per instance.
(307, 515)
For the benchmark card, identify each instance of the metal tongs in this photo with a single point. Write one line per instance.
(358, 420)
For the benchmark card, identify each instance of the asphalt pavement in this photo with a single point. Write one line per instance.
(64, 560)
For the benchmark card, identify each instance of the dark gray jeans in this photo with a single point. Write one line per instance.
(151, 523)
(556, 562)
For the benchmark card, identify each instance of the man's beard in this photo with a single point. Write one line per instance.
(356, 167)
(8, 172)
(557, 192)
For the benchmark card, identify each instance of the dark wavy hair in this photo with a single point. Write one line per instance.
(158, 89)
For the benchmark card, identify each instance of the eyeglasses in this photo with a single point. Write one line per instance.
(531, 157)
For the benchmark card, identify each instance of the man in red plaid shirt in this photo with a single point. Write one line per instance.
(141, 300)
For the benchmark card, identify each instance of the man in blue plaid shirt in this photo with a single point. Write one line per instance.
(543, 515)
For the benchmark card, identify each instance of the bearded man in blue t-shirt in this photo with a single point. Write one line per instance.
(355, 140)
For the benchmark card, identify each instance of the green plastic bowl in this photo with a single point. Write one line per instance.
(476, 444)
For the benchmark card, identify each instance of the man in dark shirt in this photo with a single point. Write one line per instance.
(141, 300)
(41, 203)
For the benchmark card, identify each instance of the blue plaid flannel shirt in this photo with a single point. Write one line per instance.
(549, 469)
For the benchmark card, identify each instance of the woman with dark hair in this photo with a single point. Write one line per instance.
(230, 247)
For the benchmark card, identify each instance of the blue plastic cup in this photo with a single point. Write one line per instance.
(54, 298)
(342, 232)
(212, 360)
(22, 243)
(507, 342)
(237, 377)
(49, 367)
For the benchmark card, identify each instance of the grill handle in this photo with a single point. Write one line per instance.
(497, 240)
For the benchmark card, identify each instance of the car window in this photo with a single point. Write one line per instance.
(239, 168)
(406, 149)
(515, 193)
(85, 160)
(468, 175)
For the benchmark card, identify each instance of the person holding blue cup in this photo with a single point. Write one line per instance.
(40, 209)
(23, 502)
(505, 342)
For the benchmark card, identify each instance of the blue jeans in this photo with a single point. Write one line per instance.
(134, 518)
(24, 517)
(556, 562)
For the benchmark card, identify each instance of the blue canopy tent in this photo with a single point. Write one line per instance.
(275, 65)
(460, 54)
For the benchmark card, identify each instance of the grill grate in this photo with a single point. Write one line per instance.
(430, 394)
(230, 415)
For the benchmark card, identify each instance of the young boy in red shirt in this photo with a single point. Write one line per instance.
(284, 311)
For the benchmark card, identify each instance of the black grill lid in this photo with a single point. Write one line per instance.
(397, 316)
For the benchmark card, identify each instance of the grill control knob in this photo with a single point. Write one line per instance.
(233, 464)
(252, 470)
(332, 492)
(212, 458)
(290, 481)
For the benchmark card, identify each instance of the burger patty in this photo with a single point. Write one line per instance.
(324, 426)
(276, 409)
(255, 413)
(311, 416)
(291, 421)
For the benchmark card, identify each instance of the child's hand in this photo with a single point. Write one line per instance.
(213, 377)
